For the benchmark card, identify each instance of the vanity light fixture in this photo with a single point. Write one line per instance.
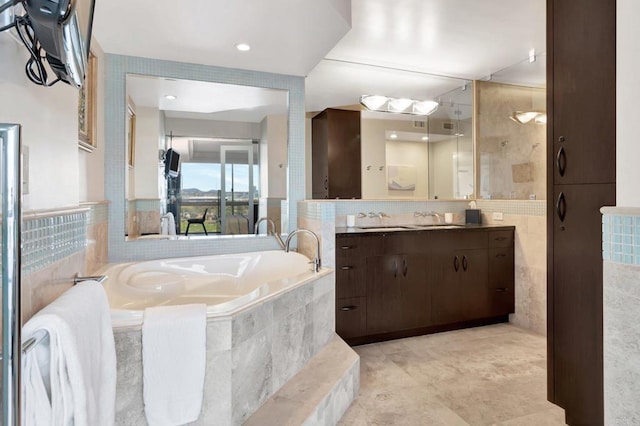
(524, 117)
(243, 47)
(398, 105)
(171, 97)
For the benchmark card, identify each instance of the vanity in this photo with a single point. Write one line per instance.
(408, 281)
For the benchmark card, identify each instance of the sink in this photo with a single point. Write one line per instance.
(439, 226)
(385, 228)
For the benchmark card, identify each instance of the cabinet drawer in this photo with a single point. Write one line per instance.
(458, 239)
(350, 278)
(350, 247)
(501, 267)
(351, 317)
(500, 238)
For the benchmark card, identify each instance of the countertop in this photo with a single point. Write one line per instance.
(385, 229)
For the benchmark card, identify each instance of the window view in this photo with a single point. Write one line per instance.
(201, 197)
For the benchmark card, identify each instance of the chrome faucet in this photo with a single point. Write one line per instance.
(316, 261)
(272, 232)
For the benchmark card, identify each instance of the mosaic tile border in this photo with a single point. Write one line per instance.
(516, 207)
(98, 212)
(46, 240)
(147, 205)
(116, 69)
(621, 236)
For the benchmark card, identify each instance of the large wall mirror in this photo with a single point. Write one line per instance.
(237, 134)
(228, 146)
(404, 156)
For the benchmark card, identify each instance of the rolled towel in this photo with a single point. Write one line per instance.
(71, 377)
(173, 359)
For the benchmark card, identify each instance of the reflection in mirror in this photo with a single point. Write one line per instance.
(511, 132)
(231, 142)
(402, 156)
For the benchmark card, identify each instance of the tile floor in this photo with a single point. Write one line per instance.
(493, 375)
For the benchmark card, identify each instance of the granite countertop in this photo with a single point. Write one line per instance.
(372, 229)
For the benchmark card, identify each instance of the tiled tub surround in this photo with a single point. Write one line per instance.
(250, 354)
(528, 217)
(55, 245)
(621, 270)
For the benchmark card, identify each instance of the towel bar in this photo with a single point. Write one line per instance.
(77, 279)
(32, 342)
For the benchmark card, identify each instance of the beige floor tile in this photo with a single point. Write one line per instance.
(480, 376)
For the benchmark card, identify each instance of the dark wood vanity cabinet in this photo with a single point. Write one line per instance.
(335, 154)
(399, 284)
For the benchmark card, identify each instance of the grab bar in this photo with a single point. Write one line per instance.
(77, 279)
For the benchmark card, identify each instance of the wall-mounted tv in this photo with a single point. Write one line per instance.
(171, 163)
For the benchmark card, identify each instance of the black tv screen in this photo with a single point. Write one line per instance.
(171, 163)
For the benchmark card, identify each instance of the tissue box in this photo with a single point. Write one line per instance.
(473, 216)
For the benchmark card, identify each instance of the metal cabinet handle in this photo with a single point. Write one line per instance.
(395, 268)
(346, 247)
(465, 263)
(346, 268)
(502, 290)
(561, 161)
(405, 267)
(500, 238)
(349, 308)
(561, 207)
(456, 263)
(326, 183)
(501, 255)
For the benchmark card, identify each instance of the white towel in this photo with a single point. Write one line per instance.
(168, 224)
(70, 379)
(173, 359)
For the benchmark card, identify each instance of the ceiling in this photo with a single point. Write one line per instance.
(400, 48)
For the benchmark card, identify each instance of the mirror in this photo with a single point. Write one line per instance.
(121, 182)
(403, 156)
(231, 142)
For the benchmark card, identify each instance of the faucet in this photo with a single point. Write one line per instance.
(272, 232)
(316, 261)
(378, 215)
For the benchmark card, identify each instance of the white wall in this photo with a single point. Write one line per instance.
(212, 129)
(146, 157)
(627, 104)
(49, 128)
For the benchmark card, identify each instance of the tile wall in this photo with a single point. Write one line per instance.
(621, 293)
(57, 244)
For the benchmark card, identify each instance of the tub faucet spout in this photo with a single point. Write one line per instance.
(269, 232)
(316, 261)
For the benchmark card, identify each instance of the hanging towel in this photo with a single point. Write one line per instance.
(70, 379)
(168, 224)
(173, 360)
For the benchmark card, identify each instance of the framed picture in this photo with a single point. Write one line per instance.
(87, 108)
(131, 135)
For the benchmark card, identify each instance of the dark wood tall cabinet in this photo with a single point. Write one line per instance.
(581, 134)
(335, 154)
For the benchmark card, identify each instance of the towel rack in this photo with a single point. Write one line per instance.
(11, 265)
(32, 342)
(77, 279)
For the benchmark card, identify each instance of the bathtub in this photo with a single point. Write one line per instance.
(225, 283)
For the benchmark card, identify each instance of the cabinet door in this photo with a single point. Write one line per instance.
(583, 90)
(344, 154)
(501, 281)
(397, 293)
(319, 159)
(474, 275)
(447, 290)
(575, 341)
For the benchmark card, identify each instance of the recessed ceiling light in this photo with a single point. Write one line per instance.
(170, 97)
(393, 136)
(425, 138)
(243, 47)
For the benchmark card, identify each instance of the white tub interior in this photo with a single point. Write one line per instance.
(225, 283)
